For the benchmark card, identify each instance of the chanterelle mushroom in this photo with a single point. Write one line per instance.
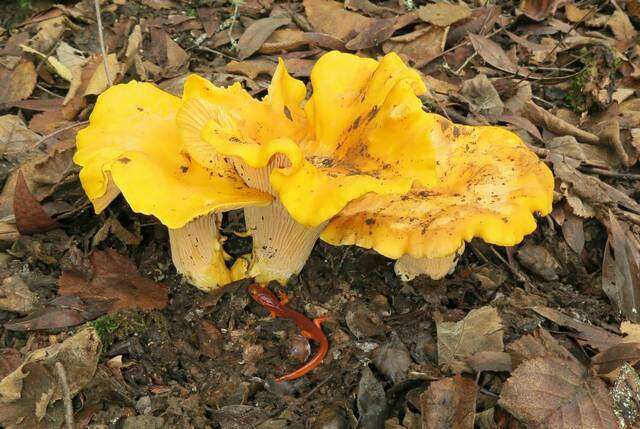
(132, 146)
(361, 131)
(488, 185)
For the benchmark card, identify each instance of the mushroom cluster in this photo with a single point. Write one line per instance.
(357, 163)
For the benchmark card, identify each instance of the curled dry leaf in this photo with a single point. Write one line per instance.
(393, 359)
(554, 392)
(372, 402)
(420, 47)
(30, 216)
(551, 122)
(538, 10)
(449, 403)
(614, 357)
(116, 278)
(326, 16)
(444, 14)
(480, 330)
(621, 269)
(31, 395)
(16, 296)
(537, 344)
(251, 68)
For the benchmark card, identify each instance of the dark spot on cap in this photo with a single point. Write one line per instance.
(184, 168)
(140, 109)
(369, 221)
(124, 160)
(287, 113)
(456, 133)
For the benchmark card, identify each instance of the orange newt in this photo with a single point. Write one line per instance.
(308, 328)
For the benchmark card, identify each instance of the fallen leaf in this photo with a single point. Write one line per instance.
(573, 232)
(537, 344)
(209, 19)
(283, 40)
(419, 51)
(32, 394)
(372, 34)
(621, 270)
(490, 361)
(538, 10)
(299, 67)
(558, 393)
(574, 13)
(327, 16)
(16, 140)
(449, 403)
(18, 83)
(16, 296)
(443, 14)
(614, 357)
(597, 338)
(117, 278)
(482, 96)
(551, 122)
(480, 330)
(626, 396)
(367, 7)
(251, 68)
(177, 58)
(113, 227)
(538, 260)
(30, 216)
(134, 43)
(159, 4)
(10, 359)
(393, 359)
(622, 28)
(54, 63)
(98, 82)
(372, 401)
(492, 53)
(61, 312)
(258, 32)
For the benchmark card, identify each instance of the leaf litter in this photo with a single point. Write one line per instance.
(552, 322)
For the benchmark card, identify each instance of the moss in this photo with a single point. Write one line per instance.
(576, 98)
(112, 328)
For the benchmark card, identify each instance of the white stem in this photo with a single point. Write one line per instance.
(197, 253)
(281, 246)
(407, 267)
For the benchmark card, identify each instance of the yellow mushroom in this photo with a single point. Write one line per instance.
(132, 146)
(488, 185)
(361, 131)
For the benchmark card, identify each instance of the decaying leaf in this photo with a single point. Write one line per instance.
(16, 296)
(538, 9)
(327, 16)
(490, 361)
(73, 60)
(113, 226)
(449, 403)
(480, 330)
(98, 82)
(258, 32)
(29, 214)
(482, 96)
(115, 277)
(444, 14)
(556, 125)
(31, 395)
(492, 53)
(555, 392)
(537, 344)
(622, 27)
(614, 357)
(17, 83)
(251, 68)
(621, 270)
(372, 402)
(421, 49)
(597, 338)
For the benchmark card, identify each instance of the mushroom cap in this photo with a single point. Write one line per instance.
(132, 141)
(361, 131)
(489, 185)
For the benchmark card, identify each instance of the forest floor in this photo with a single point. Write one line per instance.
(544, 334)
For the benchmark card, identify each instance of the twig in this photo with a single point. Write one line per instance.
(48, 91)
(56, 132)
(101, 39)
(66, 395)
(607, 173)
(232, 41)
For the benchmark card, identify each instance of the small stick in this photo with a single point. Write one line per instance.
(101, 39)
(56, 132)
(66, 395)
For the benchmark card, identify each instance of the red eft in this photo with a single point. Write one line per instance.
(308, 328)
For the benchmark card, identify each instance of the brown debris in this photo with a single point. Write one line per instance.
(449, 403)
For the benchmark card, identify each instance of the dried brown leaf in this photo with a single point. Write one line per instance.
(480, 330)
(30, 216)
(444, 14)
(537, 344)
(98, 82)
(251, 68)
(420, 50)
(621, 270)
(574, 13)
(283, 40)
(329, 17)
(490, 361)
(258, 32)
(482, 96)
(546, 119)
(597, 338)
(18, 83)
(614, 357)
(449, 403)
(559, 393)
(492, 53)
(622, 27)
(538, 10)
(573, 232)
(115, 277)
(372, 34)
(16, 296)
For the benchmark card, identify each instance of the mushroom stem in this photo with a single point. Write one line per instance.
(197, 253)
(281, 245)
(407, 267)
